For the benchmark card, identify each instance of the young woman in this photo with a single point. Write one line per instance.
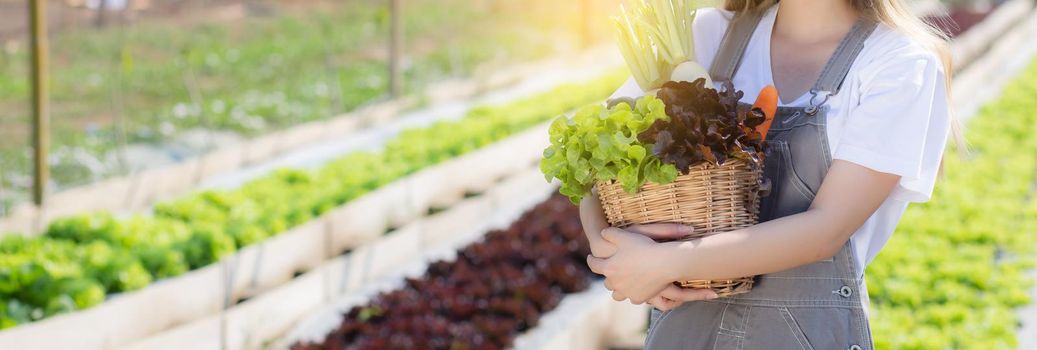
(860, 132)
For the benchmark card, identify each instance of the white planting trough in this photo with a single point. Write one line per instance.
(377, 265)
(254, 269)
(589, 320)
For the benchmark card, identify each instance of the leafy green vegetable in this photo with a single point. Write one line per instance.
(687, 125)
(76, 294)
(599, 144)
(705, 125)
(147, 239)
(116, 269)
(207, 244)
(41, 277)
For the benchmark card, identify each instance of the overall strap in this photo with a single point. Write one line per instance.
(834, 73)
(732, 47)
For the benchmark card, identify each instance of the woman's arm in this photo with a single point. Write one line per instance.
(640, 268)
(849, 195)
(592, 217)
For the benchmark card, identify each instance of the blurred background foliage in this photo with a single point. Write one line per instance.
(143, 83)
(138, 84)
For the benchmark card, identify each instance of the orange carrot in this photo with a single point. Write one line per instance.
(767, 101)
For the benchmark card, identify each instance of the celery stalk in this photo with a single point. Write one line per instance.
(654, 37)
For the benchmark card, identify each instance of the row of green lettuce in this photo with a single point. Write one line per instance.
(956, 270)
(81, 259)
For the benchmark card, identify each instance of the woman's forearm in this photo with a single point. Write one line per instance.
(848, 196)
(769, 247)
(593, 220)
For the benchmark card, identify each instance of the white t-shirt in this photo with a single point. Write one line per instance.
(891, 114)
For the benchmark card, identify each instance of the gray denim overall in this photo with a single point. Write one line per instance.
(816, 306)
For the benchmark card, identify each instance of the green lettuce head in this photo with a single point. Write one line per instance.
(601, 144)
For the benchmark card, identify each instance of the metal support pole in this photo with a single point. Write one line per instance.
(102, 7)
(3, 195)
(586, 35)
(40, 107)
(395, 48)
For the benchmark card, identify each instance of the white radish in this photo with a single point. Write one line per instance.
(690, 71)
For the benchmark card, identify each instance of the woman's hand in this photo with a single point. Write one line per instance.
(592, 216)
(674, 296)
(638, 269)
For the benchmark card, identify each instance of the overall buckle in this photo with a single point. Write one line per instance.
(814, 105)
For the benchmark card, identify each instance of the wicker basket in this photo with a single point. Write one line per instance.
(709, 198)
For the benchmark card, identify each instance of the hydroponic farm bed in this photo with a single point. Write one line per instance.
(601, 321)
(494, 290)
(956, 269)
(369, 266)
(201, 229)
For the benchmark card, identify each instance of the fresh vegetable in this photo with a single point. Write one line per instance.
(686, 125)
(690, 71)
(82, 255)
(704, 125)
(44, 277)
(599, 144)
(655, 38)
(494, 290)
(699, 125)
(767, 101)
